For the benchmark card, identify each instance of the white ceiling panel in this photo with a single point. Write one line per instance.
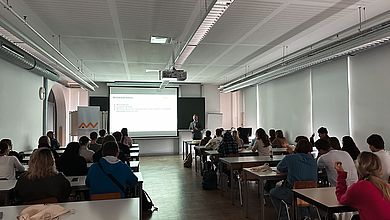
(140, 20)
(240, 18)
(112, 36)
(145, 52)
(94, 49)
(75, 17)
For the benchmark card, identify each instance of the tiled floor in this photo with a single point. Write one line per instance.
(178, 193)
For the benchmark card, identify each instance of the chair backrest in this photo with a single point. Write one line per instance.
(105, 196)
(304, 185)
(42, 201)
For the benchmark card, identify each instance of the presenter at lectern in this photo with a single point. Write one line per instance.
(196, 128)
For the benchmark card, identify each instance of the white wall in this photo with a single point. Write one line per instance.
(330, 97)
(285, 104)
(369, 91)
(21, 109)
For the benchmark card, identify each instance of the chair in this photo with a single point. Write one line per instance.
(300, 203)
(105, 196)
(42, 201)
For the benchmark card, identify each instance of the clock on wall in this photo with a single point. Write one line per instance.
(42, 93)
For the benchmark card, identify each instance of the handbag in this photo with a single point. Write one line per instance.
(127, 191)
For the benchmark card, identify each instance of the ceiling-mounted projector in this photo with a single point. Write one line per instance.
(179, 75)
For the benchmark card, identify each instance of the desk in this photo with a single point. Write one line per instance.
(134, 155)
(278, 151)
(323, 198)
(242, 153)
(97, 210)
(262, 177)
(238, 163)
(134, 145)
(199, 151)
(190, 144)
(77, 183)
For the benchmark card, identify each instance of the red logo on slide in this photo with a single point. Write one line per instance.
(83, 125)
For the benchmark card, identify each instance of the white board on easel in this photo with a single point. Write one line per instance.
(214, 121)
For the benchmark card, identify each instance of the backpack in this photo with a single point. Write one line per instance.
(188, 161)
(147, 204)
(209, 181)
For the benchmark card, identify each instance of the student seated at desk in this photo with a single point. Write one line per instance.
(124, 151)
(237, 139)
(8, 164)
(228, 146)
(42, 179)
(280, 141)
(213, 144)
(262, 144)
(98, 179)
(84, 151)
(11, 152)
(96, 156)
(300, 166)
(44, 142)
(377, 146)
(206, 139)
(329, 156)
(371, 194)
(71, 163)
(93, 145)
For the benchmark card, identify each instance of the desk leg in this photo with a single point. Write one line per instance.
(231, 185)
(182, 150)
(261, 190)
(246, 203)
(294, 209)
(196, 164)
(140, 198)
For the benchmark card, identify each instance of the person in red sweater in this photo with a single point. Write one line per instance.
(370, 195)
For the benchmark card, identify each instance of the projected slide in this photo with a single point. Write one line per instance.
(146, 112)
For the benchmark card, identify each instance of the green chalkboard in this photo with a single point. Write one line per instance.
(187, 107)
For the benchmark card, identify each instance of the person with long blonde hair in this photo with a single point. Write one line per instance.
(371, 194)
(42, 180)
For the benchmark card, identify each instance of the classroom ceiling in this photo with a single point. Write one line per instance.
(111, 37)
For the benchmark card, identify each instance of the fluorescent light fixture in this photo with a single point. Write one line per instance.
(212, 16)
(159, 40)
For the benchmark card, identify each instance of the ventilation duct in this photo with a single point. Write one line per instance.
(17, 56)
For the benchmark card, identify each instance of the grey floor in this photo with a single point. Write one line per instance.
(178, 193)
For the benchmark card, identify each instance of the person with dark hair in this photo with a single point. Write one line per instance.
(327, 158)
(262, 144)
(124, 151)
(228, 147)
(53, 141)
(8, 164)
(126, 139)
(44, 141)
(98, 179)
(272, 135)
(71, 163)
(196, 128)
(322, 133)
(213, 144)
(350, 147)
(42, 179)
(84, 152)
(108, 138)
(334, 143)
(371, 194)
(300, 166)
(93, 146)
(280, 141)
(237, 139)
(11, 152)
(102, 134)
(206, 139)
(377, 146)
